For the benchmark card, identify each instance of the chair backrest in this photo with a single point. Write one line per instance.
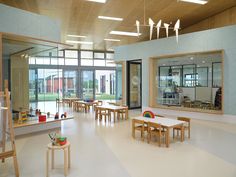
(154, 125)
(185, 119)
(135, 121)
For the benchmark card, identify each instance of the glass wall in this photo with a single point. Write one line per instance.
(87, 84)
(70, 84)
(105, 84)
(191, 81)
(78, 75)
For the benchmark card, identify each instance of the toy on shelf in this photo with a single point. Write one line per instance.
(22, 117)
(56, 116)
(42, 118)
(64, 115)
(37, 112)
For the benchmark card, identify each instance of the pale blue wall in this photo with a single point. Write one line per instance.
(24, 23)
(216, 39)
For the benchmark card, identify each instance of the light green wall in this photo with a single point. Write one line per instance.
(216, 39)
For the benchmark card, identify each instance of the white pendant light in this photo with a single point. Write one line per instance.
(151, 23)
(166, 25)
(176, 29)
(158, 28)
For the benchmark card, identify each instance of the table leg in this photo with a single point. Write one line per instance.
(126, 113)
(69, 160)
(182, 133)
(65, 162)
(52, 159)
(114, 116)
(47, 163)
(167, 137)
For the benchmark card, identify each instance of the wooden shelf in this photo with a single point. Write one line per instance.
(36, 122)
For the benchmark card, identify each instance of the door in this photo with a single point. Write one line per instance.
(134, 84)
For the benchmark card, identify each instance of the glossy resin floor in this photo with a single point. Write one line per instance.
(108, 150)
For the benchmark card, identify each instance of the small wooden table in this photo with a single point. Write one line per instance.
(166, 123)
(88, 104)
(114, 109)
(70, 100)
(66, 149)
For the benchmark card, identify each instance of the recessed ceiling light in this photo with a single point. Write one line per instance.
(202, 2)
(71, 35)
(191, 58)
(203, 62)
(99, 1)
(124, 33)
(79, 42)
(110, 18)
(114, 40)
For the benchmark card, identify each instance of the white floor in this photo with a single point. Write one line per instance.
(108, 150)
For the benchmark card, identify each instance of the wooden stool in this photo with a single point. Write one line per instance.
(66, 149)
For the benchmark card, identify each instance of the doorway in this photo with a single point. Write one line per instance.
(134, 84)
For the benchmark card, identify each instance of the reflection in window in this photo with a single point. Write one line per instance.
(202, 77)
(217, 77)
(72, 62)
(110, 63)
(99, 55)
(71, 53)
(186, 81)
(86, 54)
(86, 62)
(99, 62)
(189, 76)
(110, 56)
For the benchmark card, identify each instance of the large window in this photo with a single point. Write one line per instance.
(191, 81)
(105, 84)
(86, 74)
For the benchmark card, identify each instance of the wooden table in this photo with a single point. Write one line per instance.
(166, 123)
(70, 100)
(114, 109)
(88, 104)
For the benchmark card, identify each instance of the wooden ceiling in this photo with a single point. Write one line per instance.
(79, 17)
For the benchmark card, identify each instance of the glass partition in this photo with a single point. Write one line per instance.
(189, 81)
(105, 84)
(30, 86)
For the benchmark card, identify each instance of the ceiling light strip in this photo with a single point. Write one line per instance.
(79, 42)
(110, 18)
(124, 33)
(202, 2)
(114, 40)
(99, 1)
(78, 36)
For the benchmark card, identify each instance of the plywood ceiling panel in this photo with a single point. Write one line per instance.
(80, 17)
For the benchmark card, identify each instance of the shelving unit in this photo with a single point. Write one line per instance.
(33, 125)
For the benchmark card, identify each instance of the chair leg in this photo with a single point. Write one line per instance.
(173, 133)
(142, 135)
(189, 133)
